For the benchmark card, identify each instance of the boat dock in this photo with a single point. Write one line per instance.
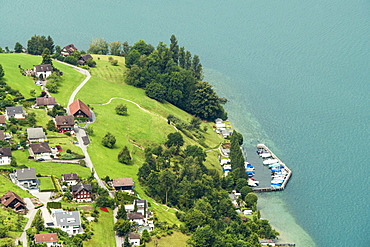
(285, 168)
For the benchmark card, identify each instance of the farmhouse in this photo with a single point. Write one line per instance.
(40, 150)
(43, 70)
(83, 59)
(36, 135)
(69, 222)
(5, 156)
(123, 184)
(81, 192)
(134, 239)
(68, 49)
(64, 123)
(26, 177)
(79, 109)
(51, 239)
(12, 200)
(70, 179)
(138, 218)
(16, 112)
(49, 102)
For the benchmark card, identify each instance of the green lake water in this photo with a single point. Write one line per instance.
(296, 74)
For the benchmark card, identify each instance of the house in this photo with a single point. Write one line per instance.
(234, 199)
(26, 177)
(134, 239)
(71, 179)
(138, 218)
(226, 133)
(65, 123)
(16, 112)
(79, 109)
(2, 120)
(40, 150)
(67, 50)
(12, 200)
(218, 121)
(225, 162)
(83, 59)
(5, 155)
(142, 206)
(36, 135)
(42, 70)
(49, 102)
(225, 149)
(130, 208)
(68, 221)
(123, 184)
(51, 239)
(81, 192)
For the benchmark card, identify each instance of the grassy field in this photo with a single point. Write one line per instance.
(176, 239)
(103, 231)
(46, 183)
(6, 184)
(42, 117)
(14, 222)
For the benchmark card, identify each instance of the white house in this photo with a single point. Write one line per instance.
(36, 135)
(26, 177)
(51, 239)
(142, 206)
(40, 150)
(70, 179)
(15, 111)
(43, 70)
(138, 218)
(130, 208)
(68, 221)
(134, 239)
(5, 156)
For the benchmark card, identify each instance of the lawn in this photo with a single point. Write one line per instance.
(14, 222)
(176, 239)
(103, 231)
(46, 183)
(6, 184)
(42, 117)
(64, 141)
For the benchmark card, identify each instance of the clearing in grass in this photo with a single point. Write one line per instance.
(176, 239)
(103, 231)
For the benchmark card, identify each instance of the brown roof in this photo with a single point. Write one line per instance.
(39, 148)
(65, 120)
(6, 151)
(135, 216)
(46, 237)
(71, 176)
(2, 136)
(79, 105)
(9, 196)
(134, 236)
(45, 101)
(2, 119)
(69, 48)
(80, 186)
(86, 57)
(43, 67)
(117, 182)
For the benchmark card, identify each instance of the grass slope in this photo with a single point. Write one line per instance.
(103, 231)
(46, 183)
(6, 184)
(176, 239)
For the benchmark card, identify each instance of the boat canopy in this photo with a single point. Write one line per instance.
(270, 161)
(265, 155)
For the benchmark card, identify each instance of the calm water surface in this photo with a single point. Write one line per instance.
(296, 74)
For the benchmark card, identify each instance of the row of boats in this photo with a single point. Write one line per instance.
(278, 172)
(249, 169)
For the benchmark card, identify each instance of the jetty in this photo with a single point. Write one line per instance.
(285, 168)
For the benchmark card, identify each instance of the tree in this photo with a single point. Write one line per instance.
(115, 48)
(33, 93)
(38, 221)
(13, 162)
(99, 46)
(175, 139)
(105, 201)
(126, 243)
(121, 109)
(1, 72)
(194, 218)
(251, 199)
(156, 91)
(174, 48)
(46, 58)
(125, 48)
(51, 126)
(121, 213)
(90, 62)
(18, 48)
(89, 130)
(122, 227)
(109, 140)
(37, 44)
(124, 156)
(204, 237)
(145, 236)
(31, 118)
(71, 60)
(167, 179)
(245, 190)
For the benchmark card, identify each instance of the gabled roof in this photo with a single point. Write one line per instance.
(5, 152)
(35, 133)
(46, 237)
(79, 105)
(68, 218)
(26, 173)
(135, 216)
(2, 136)
(39, 148)
(134, 236)
(71, 176)
(11, 111)
(65, 120)
(86, 57)
(43, 67)
(118, 182)
(2, 119)
(69, 48)
(9, 197)
(80, 186)
(45, 101)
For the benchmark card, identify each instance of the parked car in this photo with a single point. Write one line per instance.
(40, 159)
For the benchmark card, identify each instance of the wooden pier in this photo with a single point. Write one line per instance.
(286, 168)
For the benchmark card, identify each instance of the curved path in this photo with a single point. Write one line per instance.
(139, 106)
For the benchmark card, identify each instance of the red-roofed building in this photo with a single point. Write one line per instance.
(51, 239)
(79, 109)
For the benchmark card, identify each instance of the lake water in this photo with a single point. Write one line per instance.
(296, 74)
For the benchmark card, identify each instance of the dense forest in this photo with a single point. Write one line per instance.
(172, 74)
